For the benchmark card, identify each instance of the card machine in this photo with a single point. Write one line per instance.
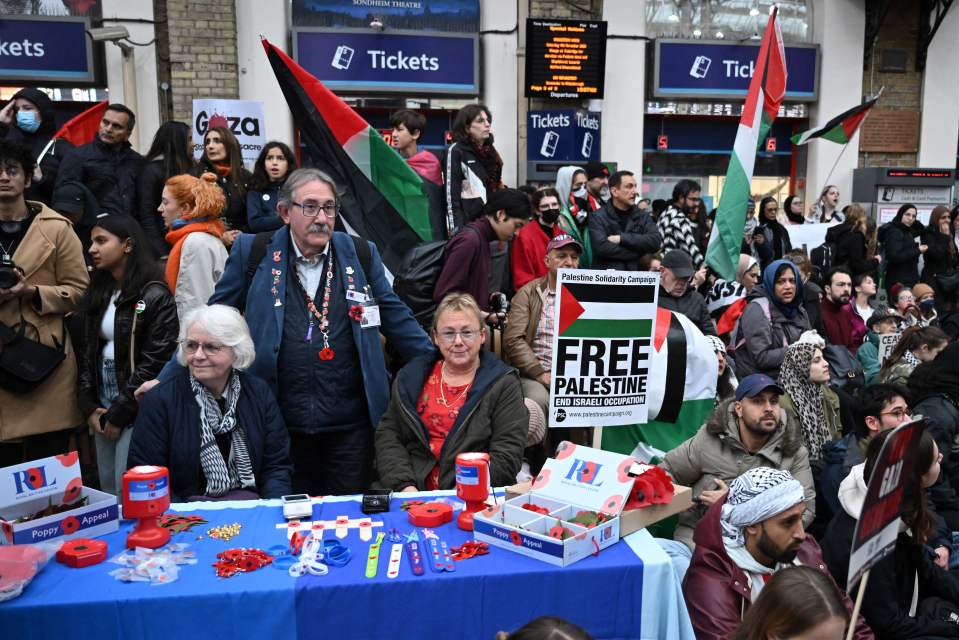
(297, 506)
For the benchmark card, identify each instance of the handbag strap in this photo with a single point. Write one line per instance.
(59, 345)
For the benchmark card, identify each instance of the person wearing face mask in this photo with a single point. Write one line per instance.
(898, 240)
(29, 119)
(925, 297)
(529, 246)
(575, 207)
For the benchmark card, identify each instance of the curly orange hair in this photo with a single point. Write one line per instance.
(202, 195)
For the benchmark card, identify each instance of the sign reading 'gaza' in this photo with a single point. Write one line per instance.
(45, 49)
(353, 60)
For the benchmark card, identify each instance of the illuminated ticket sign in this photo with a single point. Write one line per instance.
(565, 59)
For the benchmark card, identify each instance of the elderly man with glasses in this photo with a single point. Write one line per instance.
(316, 301)
(676, 294)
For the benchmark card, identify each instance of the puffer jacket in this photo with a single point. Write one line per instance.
(145, 330)
(892, 580)
(901, 252)
(109, 171)
(718, 591)
(762, 339)
(638, 237)
(494, 420)
(716, 451)
(524, 312)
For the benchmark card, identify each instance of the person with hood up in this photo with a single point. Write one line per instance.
(576, 204)
(898, 239)
(905, 589)
(852, 246)
(726, 300)
(773, 319)
(29, 119)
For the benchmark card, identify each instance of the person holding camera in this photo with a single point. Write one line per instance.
(42, 278)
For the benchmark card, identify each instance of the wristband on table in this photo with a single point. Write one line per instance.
(336, 554)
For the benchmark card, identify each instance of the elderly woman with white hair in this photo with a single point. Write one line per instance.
(216, 428)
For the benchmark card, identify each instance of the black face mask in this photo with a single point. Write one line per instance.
(550, 216)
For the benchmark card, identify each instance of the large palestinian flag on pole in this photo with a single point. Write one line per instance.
(766, 92)
(840, 129)
(391, 206)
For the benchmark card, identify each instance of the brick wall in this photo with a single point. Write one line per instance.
(903, 91)
(590, 9)
(198, 52)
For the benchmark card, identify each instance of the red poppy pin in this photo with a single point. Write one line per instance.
(326, 354)
(70, 524)
(356, 312)
(515, 538)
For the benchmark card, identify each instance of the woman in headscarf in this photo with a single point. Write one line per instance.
(773, 319)
(804, 377)
(726, 300)
(575, 206)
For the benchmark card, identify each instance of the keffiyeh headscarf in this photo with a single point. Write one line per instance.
(806, 396)
(757, 495)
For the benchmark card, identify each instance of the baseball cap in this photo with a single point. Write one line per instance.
(563, 240)
(679, 263)
(753, 385)
(596, 170)
(879, 315)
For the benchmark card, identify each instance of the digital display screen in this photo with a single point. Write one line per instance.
(565, 59)
(918, 173)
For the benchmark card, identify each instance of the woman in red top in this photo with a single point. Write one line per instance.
(460, 398)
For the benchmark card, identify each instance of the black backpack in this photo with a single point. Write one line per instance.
(845, 370)
(822, 258)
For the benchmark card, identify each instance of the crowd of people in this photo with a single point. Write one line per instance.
(218, 322)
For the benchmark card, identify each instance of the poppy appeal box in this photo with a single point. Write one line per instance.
(45, 500)
(571, 511)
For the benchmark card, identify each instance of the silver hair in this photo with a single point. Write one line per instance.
(225, 325)
(301, 177)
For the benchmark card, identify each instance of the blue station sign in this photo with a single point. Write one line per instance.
(45, 49)
(563, 135)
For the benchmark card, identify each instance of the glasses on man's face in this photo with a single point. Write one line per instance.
(899, 413)
(312, 209)
(467, 335)
(209, 348)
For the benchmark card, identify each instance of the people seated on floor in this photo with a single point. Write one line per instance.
(773, 318)
(745, 538)
(808, 399)
(881, 322)
(460, 398)
(677, 292)
(906, 591)
(751, 430)
(797, 602)
(216, 428)
(916, 345)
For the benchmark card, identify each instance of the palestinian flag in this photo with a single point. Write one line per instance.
(766, 92)
(391, 207)
(606, 310)
(83, 127)
(841, 128)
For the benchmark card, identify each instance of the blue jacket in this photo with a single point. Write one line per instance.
(167, 433)
(264, 311)
(261, 212)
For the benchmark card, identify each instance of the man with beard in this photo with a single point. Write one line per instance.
(750, 430)
(838, 317)
(316, 301)
(744, 539)
(675, 225)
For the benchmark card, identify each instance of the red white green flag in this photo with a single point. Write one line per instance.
(766, 92)
(841, 128)
(393, 209)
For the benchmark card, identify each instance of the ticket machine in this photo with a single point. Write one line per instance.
(882, 190)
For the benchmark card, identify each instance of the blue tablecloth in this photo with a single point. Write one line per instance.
(628, 591)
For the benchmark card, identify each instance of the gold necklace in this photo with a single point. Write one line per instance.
(443, 384)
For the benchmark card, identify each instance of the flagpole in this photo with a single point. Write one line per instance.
(834, 164)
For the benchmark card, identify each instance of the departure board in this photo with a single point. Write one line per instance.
(565, 59)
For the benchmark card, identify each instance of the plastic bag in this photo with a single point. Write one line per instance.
(19, 563)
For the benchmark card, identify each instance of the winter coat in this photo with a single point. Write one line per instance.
(234, 188)
(202, 263)
(889, 590)
(692, 305)
(638, 234)
(842, 324)
(109, 171)
(718, 591)
(901, 252)
(167, 433)
(716, 451)
(39, 190)
(762, 339)
(52, 260)
(528, 251)
(851, 249)
(868, 356)
(678, 232)
(261, 208)
(830, 410)
(494, 419)
(465, 185)
(150, 185)
(942, 423)
(145, 330)
(937, 258)
(523, 320)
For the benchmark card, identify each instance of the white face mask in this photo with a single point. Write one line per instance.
(580, 193)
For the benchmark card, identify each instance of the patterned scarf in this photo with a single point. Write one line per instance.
(222, 475)
(807, 396)
(757, 495)
(492, 164)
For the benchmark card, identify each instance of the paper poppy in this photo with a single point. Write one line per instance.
(70, 525)
(326, 354)
(356, 312)
(515, 538)
(529, 506)
(613, 504)
(68, 459)
(622, 471)
(35, 478)
(559, 532)
(73, 490)
(564, 450)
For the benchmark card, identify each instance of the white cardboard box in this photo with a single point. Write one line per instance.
(30, 487)
(578, 479)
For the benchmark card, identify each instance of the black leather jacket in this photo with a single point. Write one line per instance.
(144, 342)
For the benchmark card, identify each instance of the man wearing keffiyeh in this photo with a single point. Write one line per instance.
(743, 540)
